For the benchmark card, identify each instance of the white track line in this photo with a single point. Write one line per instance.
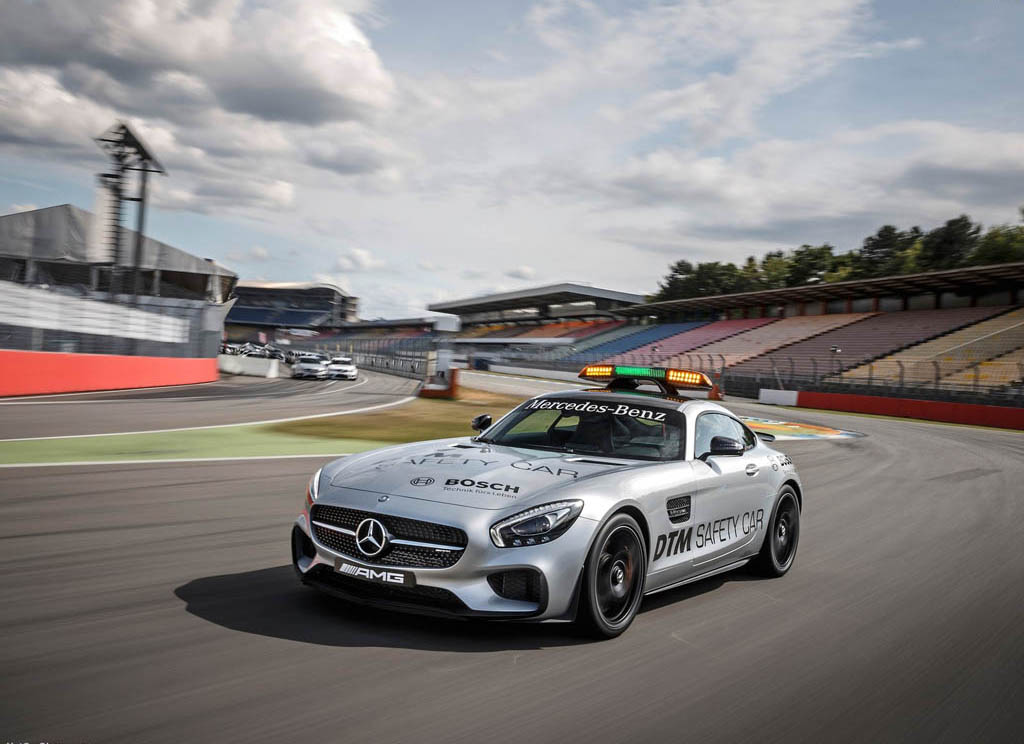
(34, 398)
(168, 460)
(502, 381)
(176, 399)
(218, 426)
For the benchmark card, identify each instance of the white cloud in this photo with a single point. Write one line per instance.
(240, 100)
(521, 272)
(358, 260)
(596, 141)
(255, 254)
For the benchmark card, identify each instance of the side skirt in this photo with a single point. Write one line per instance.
(698, 577)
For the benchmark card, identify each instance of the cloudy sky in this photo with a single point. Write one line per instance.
(419, 151)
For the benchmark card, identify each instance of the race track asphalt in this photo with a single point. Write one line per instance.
(155, 603)
(232, 400)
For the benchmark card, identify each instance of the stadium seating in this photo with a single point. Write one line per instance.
(698, 334)
(861, 341)
(481, 330)
(649, 334)
(948, 354)
(504, 332)
(547, 330)
(1007, 369)
(580, 351)
(588, 330)
(275, 316)
(769, 336)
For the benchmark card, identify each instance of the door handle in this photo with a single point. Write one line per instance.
(752, 469)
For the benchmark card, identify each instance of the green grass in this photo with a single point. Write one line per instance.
(419, 419)
(423, 418)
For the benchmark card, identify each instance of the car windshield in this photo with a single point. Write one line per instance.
(633, 430)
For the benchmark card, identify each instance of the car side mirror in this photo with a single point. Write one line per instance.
(726, 447)
(765, 436)
(481, 422)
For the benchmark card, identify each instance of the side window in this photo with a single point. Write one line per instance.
(711, 425)
(749, 437)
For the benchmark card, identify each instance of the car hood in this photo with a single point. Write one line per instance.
(463, 473)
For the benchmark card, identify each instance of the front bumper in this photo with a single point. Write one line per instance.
(343, 375)
(469, 588)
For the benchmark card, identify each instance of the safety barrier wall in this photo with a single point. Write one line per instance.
(252, 366)
(956, 413)
(35, 372)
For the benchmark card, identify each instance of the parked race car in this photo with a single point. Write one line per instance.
(572, 506)
(342, 368)
(310, 366)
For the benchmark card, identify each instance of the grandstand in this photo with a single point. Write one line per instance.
(552, 321)
(62, 293)
(869, 337)
(645, 337)
(949, 353)
(271, 308)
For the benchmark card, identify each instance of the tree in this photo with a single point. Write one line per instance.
(750, 275)
(809, 263)
(949, 246)
(1001, 244)
(676, 284)
(841, 268)
(774, 268)
(703, 280)
(884, 253)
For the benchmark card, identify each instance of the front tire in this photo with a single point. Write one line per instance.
(613, 578)
(779, 549)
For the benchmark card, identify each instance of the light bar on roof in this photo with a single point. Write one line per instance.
(676, 377)
(597, 372)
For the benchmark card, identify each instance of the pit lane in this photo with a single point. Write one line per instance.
(155, 603)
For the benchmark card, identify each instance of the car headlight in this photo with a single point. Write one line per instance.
(536, 526)
(313, 488)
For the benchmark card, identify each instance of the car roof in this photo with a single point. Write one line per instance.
(650, 398)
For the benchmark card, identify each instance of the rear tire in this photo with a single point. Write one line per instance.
(613, 579)
(780, 543)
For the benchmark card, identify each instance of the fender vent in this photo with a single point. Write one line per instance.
(678, 509)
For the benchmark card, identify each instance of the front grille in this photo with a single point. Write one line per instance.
(520, 584)
(370, 591)
(408, 556)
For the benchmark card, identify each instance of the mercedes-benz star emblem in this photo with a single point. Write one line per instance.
(421, 481)
(371, 537)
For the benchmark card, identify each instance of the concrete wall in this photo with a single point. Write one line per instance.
(37, 372)
(252, 366)
(1005, 417)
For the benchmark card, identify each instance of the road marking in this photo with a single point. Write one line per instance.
(219, 426)
(497, 377)
(31, 398)
(167, 460)
(230, 396)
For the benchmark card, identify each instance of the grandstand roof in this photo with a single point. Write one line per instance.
(963, 280)
(290, 286)
(61, 233)
(553, 294)
(388, 323)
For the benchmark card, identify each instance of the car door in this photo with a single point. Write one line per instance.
(727, 494)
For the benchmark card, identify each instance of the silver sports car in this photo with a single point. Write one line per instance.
(572, 506)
